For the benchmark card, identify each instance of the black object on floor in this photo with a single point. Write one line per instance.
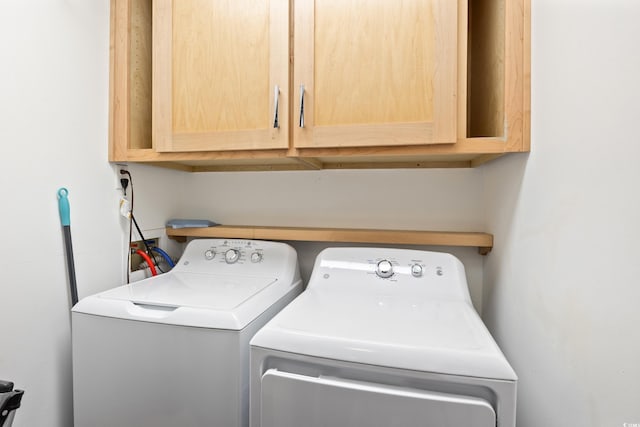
(10, 400)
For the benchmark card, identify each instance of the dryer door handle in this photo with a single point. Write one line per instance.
(290, 400)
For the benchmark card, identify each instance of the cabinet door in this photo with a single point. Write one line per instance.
(220, 74)
(374, 73)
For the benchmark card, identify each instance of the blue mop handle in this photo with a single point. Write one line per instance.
(63, 206)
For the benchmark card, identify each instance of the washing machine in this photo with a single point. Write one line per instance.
(381, 338)
(173, 350)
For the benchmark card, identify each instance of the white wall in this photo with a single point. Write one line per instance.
(404, 199)
(53, 133)
(159, 195)
(561, 285)
(53, 128)
(561, 290)
(387, 199)
(54, 109)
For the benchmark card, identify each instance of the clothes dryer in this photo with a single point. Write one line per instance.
(173, 350)
(380, 338)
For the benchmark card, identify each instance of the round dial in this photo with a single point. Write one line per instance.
(256, 257)
(231, 256)
(384, 269)
(416, 270)
(209, 254)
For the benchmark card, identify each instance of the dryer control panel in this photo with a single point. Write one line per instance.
(389, 270)
(389, 267)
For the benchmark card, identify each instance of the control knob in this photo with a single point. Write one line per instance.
(416, 270)
(209, 254)
(231, 256)
(384, 269)
(256, 257)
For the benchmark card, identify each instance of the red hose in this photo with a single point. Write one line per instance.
(149, 262)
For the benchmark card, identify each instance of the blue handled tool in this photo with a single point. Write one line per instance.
(65, 220)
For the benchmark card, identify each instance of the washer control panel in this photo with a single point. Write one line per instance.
(233, 256)
(231, 251)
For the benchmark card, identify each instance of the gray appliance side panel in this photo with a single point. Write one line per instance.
(246, 334)
(501, 395)
(141, 374)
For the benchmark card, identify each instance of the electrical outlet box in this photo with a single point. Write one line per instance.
(137, 260)
(116, 169)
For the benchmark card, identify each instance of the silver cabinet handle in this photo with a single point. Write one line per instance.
(301, 106)
(276, 99)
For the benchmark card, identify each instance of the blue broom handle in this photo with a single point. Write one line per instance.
(63, 206)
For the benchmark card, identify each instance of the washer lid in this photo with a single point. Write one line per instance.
(428, 335)
(190, 299)
(206, 291)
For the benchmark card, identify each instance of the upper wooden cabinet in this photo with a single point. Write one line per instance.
(379, 73)
(220, 74)
(304, 84)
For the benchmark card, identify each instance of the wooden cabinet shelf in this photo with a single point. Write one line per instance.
(311, 85)
(483, 241)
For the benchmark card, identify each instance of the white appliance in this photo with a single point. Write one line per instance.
(380, 338)
(173, 350)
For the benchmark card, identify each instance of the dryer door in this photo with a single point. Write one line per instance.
(293, 400)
